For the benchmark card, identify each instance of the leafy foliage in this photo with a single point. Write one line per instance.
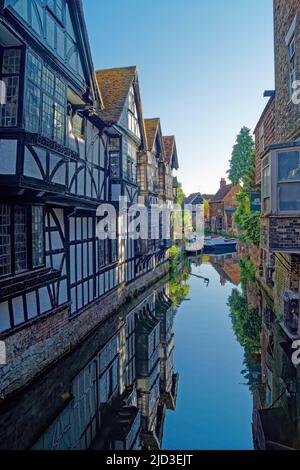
(242, 157)
(246, 322)
(247, 222)
(179, 276)
(180, 194)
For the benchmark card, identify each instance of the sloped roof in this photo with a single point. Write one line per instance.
(219, 196)
(190, 199)
(114, 86)
(77, 10)
(207, 196)
(151, 126)
(170, 150)
(169, 145)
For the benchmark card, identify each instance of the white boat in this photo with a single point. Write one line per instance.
(194, 245)
(219, 244)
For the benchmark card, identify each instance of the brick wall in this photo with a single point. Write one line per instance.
(35, 347)
(267, 121)
(284, 234)
(30, 411)
(287, 114)
(230, 198)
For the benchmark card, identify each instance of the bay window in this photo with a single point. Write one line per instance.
(266, 185)
(10, 70)
(21, 238)
(46, 101)
(281, 180)
(289, 180)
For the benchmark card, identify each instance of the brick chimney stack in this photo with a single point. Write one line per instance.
(223, 183)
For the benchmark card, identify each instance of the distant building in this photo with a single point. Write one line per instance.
(222, 206)
(264, 133)
(194, 199)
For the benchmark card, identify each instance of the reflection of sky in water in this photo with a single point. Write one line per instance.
(214, 408)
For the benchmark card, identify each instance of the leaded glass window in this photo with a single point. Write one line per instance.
(47, 116)
(20, 239)
(9, 110)
(33, 104)
(10, 78)
(133, 123)
(11, 61)
(37, 236)
(21, 232)
(114, 156)
(5, 242)
(46, 99)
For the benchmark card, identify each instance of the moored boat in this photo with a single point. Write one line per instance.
(219, 245)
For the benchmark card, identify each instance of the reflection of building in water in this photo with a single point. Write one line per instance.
(276, 410)
(111, 393)
(227, 266)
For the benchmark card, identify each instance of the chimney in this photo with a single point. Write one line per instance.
(223, 183)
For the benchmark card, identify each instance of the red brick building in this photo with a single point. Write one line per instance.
(264, 132)
(222, 206)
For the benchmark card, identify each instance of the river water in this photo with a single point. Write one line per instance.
(167, 372)
(214, 405)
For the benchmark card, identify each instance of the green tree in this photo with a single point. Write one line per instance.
(246, 322)
(242, 157)
(247, 222)
(180, 194)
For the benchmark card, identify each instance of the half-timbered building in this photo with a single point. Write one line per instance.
(53, 173)
(122, 113)
(70, 140)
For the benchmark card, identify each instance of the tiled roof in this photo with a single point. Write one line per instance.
(151, 126)
(114, 85)
(169, 146)
(219, 196)
(189, 199)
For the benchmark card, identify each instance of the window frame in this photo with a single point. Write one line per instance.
(133, 115)
(276, 183)
(116, 153)
(292, 64)
(20, 83)
(55, 97)
(29, 239)
(131, 163)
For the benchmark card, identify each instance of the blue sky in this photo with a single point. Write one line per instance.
(203, 66)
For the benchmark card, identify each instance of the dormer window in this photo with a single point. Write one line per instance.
(133, 122)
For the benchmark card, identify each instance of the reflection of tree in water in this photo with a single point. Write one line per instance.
(180, 270)
(246, 323)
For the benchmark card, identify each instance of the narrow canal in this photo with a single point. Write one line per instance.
(214, 405)
(165, 372)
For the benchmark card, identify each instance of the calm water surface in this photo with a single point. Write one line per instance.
(214, 406)
(120, 390)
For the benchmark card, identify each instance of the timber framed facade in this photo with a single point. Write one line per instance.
(70, 139)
